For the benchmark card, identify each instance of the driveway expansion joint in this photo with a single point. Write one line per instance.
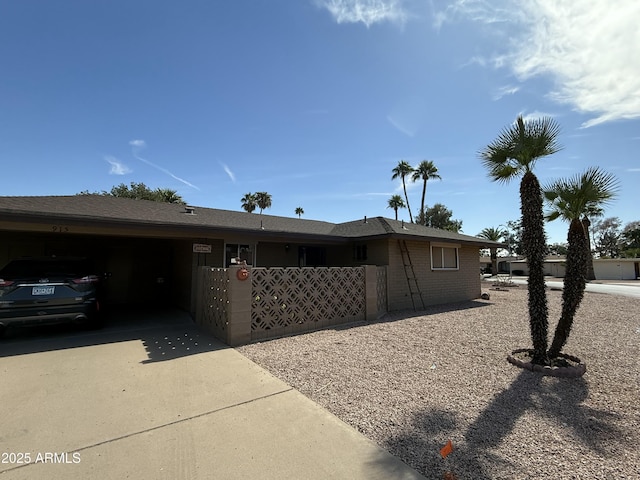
(158, 427)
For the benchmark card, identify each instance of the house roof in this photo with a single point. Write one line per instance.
(102, 209)
(380, 226)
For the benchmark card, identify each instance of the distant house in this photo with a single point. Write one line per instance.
(604, 268)
(153, 250)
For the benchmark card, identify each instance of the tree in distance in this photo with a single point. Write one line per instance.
(401, 171)
(396, 202)
(263, 200)
(426, 170)
(249, 203)
(139, 191)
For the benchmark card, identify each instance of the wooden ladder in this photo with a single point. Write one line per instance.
(410, 274)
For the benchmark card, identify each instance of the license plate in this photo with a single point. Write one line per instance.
(43, 290)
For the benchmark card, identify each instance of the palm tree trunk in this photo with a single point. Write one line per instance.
(574, 285)
(533, 242)
(586, 224)
(424, 192)
(494, 260)
(404, 186)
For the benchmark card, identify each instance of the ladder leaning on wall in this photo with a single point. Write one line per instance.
(410, 274)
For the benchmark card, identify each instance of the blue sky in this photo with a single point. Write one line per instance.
(314, 101)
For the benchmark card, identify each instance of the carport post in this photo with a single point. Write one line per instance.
(371, 292)
(239, 311)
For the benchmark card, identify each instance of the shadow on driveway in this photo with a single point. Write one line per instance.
(166, 334)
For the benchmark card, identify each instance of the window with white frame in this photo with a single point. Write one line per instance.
(444, 256)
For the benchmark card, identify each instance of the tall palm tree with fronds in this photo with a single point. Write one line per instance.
(263, 200)
(426, 170)
(401, 171)
(299, 211)
(513, 154)
(249, 203)
(495, 235)
(396, 202)
(571, 199)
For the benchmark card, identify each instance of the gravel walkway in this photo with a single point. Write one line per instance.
(411, 382)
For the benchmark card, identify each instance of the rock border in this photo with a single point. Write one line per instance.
(572, 371)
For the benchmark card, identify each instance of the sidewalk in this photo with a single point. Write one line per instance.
(109, 406)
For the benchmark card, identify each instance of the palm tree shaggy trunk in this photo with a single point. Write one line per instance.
(586, 224)
(574, 284)
(534, 244)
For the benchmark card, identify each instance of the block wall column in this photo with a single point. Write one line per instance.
(239, 307)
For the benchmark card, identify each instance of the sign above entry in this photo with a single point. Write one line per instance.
(201, 248)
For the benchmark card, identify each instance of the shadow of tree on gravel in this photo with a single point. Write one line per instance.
(557, 399)
(420, 447)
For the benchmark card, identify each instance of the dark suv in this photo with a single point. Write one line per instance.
(49, 290)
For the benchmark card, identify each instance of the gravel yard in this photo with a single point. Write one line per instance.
(410, 382)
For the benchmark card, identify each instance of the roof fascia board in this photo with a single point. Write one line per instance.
(88, 225)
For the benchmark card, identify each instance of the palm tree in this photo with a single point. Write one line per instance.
(299, 211)
(396, 202)
(249, 203)
(169, 196)
(426, 170)
(401, 171)
(572, 199)
(493, 234)
(513, 154)
(263, 199)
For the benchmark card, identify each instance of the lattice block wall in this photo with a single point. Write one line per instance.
(288, 300)
(213, 301)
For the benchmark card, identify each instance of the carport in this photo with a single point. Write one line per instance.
(140, 271)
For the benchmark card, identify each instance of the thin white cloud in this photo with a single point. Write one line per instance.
(589, 50)
(368, 12)
(117, 167)
(137, 145)
(408, 131)
(504, 91)
(633, 169)
(228, 171)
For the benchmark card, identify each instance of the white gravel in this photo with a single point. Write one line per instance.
(412, 381)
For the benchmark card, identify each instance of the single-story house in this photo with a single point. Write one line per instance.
(153, 250)
(604, 268)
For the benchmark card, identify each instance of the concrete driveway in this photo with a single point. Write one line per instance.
(153, 397)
